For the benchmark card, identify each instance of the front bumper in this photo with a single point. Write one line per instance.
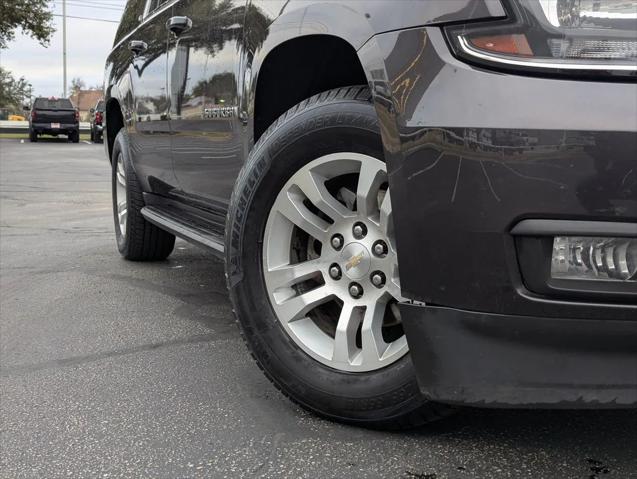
(471, 154)
(493, 360)
(64, 129)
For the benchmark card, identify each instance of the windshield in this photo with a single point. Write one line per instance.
(52, 104)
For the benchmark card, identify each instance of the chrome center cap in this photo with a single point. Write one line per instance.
(355, 261)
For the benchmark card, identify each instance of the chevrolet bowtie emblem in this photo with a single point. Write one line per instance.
(354, 261)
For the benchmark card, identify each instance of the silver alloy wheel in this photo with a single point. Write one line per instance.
(354, 268)
(120, 192)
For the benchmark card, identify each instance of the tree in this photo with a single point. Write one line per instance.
(32, 16)
(77, 84)
(13, 91)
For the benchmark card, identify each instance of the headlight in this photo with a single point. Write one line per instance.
(560, 36)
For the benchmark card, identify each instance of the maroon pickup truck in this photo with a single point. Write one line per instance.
(54, 116)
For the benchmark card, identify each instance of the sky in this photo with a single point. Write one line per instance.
(88, 44)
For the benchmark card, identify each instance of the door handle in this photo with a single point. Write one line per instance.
(137, 46)
(178, 25)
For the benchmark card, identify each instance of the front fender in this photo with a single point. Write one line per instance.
(271, 23)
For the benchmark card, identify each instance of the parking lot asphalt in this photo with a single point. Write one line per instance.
(116, 369)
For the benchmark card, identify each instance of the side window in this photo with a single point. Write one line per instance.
(154, 5)
(130, 18)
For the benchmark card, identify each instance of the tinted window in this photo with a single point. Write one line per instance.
(155, 4)
(49, 104)
(100, 105)
(130, 18)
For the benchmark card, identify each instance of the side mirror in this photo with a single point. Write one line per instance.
(92, 110)
(26, 108)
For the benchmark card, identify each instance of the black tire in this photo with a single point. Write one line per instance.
(339, 120)
(92, 134)
(75, 136)
(143, 241)
(33, 136)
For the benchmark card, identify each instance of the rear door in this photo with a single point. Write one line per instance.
(203, 72)
(150, 139)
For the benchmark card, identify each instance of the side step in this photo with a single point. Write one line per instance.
(190, 232)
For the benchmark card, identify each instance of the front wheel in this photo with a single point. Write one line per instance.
(312, 266)
(137, 239)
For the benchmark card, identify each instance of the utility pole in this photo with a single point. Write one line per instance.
(64, 44)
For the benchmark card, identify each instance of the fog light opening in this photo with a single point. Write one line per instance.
(594, 258)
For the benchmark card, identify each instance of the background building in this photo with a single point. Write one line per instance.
(84, 100)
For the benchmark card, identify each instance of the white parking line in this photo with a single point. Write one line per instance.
(88, 142)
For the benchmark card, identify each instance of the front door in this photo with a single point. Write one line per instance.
(150, 139)
(203, 74)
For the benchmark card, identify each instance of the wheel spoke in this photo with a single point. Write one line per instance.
(371, 333)
(120, 194)
(293, 209)
(371, 177)
(394, 290)
(121, 173)
(313, 187)
(122, 209)
(297, 307)
(290, 274)
(386, 215)
(122, 214)
(345, 337)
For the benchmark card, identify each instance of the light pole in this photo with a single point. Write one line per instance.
(64, 45)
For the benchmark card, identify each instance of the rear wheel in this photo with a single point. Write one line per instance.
(137, 239)
(75, 136)
(33, 136)
(312, 266)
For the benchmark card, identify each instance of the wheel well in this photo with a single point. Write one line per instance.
(114, 123)
(300, 68)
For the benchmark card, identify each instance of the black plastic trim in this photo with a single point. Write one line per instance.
(492, 360)
(539, 227)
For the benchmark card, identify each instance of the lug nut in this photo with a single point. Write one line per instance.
(355, 290)
(378, 279)
(359, 230)
(337, 242)
(380, 248)
(335, 271)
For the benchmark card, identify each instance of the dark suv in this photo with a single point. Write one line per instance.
(96, 121)
(54, 116)
(419, 203)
